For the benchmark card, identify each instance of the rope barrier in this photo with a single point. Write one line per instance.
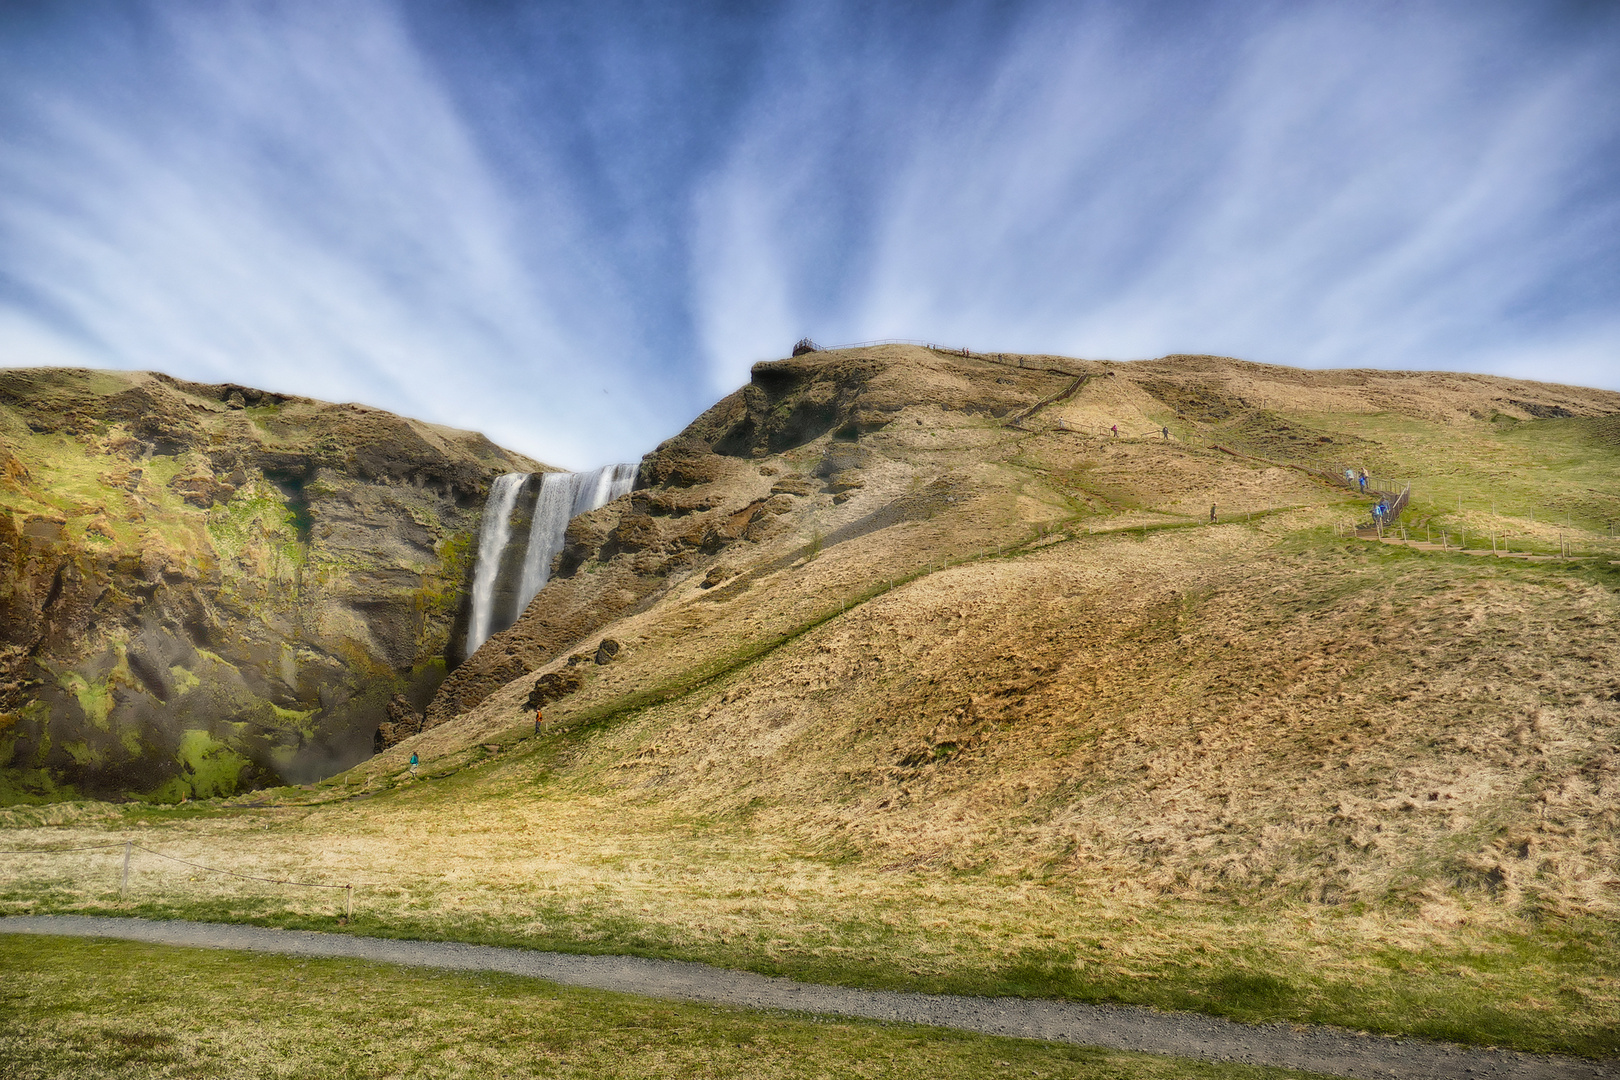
(130, 845)
(56, 850)
(247, 877)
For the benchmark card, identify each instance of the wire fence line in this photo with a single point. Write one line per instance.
(130, 847)
(61, 850)
(233, 873)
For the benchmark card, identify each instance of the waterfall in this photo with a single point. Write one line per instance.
(493, 533)
(559, 497)
(563, 495)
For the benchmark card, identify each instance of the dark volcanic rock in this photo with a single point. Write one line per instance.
(682, 463)
(403, 721)
(554, 686)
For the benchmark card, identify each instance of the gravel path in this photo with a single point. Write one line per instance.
(1316, 1049)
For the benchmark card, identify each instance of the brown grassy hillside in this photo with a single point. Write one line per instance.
(922, 684)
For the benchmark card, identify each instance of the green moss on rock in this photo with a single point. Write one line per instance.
(208, 766)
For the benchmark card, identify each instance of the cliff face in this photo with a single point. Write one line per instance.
(204, 588)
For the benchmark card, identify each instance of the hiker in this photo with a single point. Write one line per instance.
(413, 762)
(1363, 479)
(1350, 477)
(1116, 431)
(1165, 431)
(1212, 513)
(538, 716)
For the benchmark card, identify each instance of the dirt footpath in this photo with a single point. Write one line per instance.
(1316, 1049)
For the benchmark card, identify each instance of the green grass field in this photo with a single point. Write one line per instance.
(94, 1009)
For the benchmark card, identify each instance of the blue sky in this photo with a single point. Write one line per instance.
(574, 226)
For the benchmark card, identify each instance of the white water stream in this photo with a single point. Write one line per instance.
(493, 533)
(560, 497)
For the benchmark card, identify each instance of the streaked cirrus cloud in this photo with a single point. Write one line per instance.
(571, 226)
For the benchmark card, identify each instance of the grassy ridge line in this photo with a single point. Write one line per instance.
(740, 659)
(729, 664)
(736, 661)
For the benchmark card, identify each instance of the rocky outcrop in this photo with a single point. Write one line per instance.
(554, 686)
(403, 721)
(206, 587)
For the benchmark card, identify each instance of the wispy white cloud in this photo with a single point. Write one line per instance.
(570, 226)
(303, 207)
(1312, 184)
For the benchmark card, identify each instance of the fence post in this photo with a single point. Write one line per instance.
(123, 882)
(349, 896)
